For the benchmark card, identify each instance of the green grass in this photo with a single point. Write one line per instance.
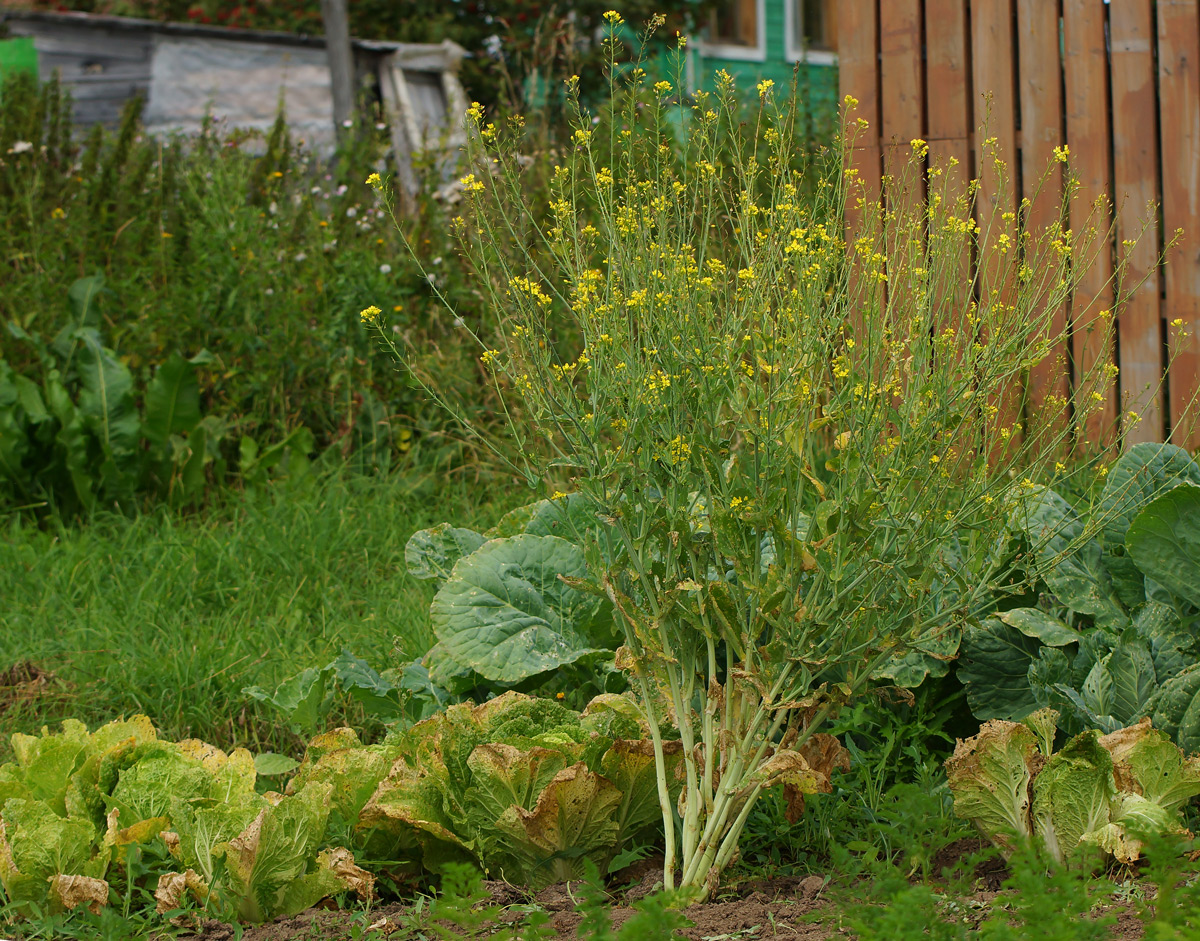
(172, 616)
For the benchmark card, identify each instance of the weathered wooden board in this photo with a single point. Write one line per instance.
(1135, 172)
(993, 71)
(1040, 99)
(949, 130)
(1085, 68)
(1179, 102)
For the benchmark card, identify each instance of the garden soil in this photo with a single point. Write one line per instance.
(796, 909)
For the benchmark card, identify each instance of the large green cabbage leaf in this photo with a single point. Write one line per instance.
(46, 764)
(37, 844)
(506, 613)
(1147, 762)
(1072, 795)
(990, 776)
(1164, 542)
(573, 820)
(432, 553)
(274, 867)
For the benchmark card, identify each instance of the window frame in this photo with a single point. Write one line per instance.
(794, 52)
(755, 53)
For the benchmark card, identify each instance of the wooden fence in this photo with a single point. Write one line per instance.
(1116, 82)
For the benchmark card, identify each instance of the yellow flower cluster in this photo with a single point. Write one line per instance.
(531, 289)
(679, 450)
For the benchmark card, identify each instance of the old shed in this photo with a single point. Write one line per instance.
(187, 72)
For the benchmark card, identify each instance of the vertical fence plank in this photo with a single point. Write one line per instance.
(858, 65)
(1135, 170)
(901, 121)
(1085, 67)
(1040, 87)
(858, 76)
(900, 95)
(992, 68)
(948, 108)
(1179, 100)
(948, 130)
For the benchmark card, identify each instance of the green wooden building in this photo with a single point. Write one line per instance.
(755, 40)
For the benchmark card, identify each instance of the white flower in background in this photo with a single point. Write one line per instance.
(351, 212)
(459, 322)
(385, 269)
(269, 291)
(300, 256)
(341, 190)
(437, 260)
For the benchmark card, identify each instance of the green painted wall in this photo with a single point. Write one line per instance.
(817, 84)
(18, 55)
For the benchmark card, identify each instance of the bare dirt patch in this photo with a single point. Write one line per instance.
(24, 682)
(792, 908)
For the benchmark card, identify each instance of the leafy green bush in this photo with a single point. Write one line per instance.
(1095, 797)
(250, 249)
(1113, 636)
(79, 438)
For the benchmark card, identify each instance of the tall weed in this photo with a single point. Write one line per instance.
(794, 445)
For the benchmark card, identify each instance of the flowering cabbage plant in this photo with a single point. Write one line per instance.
(803, 445)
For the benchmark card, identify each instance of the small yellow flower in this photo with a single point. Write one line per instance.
(613, 17)
(370, 314)
(560, 695)
(277, 174)
(1177, 322)
(662, 88)
(58, 213)
(1062, 153)
(765, 86)
(680, 449)
(374, 180)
